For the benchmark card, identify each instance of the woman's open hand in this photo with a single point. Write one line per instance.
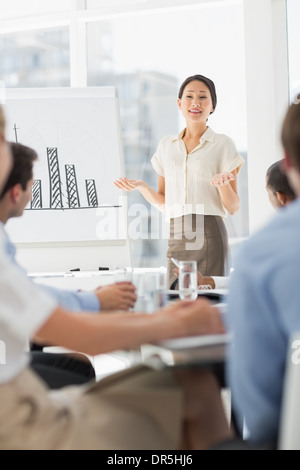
(128, 185)
(222, 178)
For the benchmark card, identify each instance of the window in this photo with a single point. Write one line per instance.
(35, 58)
(293, 14)
(16, 8)
(150, 54)
(145, 48)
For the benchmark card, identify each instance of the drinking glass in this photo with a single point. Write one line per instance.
(188, 280)
(123, 275)
(154, 290)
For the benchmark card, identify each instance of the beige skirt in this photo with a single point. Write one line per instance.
(138, 408)
(202, 238)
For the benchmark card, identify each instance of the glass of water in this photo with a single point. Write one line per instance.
(154, 290)
(123, 274)
(188, 280)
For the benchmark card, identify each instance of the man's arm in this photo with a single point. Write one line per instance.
(98, 334)
(118, 296)
(114, 296)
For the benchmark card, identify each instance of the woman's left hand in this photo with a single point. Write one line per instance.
(222, 178)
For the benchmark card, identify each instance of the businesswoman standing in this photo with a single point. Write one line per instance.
(197, 182)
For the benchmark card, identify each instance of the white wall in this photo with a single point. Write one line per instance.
(267, 97)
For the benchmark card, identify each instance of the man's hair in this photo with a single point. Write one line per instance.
(290, 134)
(22, 169)
(277, 180)
(2, 122)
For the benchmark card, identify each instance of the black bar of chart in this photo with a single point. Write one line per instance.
(56, 201)
(36, 198)
(72, 188)
(91, 193)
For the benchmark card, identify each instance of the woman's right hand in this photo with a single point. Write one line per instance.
(128, 185)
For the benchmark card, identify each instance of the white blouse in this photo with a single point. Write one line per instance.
(188, 188)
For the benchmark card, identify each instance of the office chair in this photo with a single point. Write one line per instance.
(289, 430)
(289, 426)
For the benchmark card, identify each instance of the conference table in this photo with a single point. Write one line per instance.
(204, 351)
(197, 355)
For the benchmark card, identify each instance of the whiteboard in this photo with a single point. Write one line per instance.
(76, 133)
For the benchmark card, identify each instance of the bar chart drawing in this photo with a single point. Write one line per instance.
(76, 134)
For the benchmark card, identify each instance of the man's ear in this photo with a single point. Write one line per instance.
(15, 192)
(281, 198)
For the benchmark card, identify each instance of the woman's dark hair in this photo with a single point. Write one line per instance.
(208, 82)
(277, 180)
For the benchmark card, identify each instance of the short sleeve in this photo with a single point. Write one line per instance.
(158, 159)
(157, 165)
(234, 161)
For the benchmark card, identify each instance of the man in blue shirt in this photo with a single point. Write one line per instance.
(13, 199)
(264, 305)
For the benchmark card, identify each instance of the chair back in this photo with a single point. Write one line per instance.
(289, 429)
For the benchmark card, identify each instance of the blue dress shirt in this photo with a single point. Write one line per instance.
(263, 312)
(69, 299)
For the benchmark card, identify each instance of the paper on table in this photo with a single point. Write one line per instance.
(220, 292)
(196, 341)
(215, 295)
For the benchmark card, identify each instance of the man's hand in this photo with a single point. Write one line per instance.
(118, 296)
(198, 317)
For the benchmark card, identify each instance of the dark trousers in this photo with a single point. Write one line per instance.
(61, 369)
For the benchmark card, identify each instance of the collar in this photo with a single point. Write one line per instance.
(208, 135)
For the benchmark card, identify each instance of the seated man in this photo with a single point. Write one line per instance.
(14, 198)
(162, 409)
(278, 187)
(263, 305)
(56, 369)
